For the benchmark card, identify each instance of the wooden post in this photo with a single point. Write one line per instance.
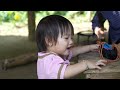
(31, 25)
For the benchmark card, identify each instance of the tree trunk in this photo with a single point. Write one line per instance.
(31, 25)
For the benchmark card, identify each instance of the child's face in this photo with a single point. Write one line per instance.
(63, 44)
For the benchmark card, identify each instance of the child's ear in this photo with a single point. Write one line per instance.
(48, 42)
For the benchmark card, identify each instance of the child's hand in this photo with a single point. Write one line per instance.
(95, 65)
(93, 47)
(101, 63)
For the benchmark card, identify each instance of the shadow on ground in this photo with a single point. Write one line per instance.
(13, 46)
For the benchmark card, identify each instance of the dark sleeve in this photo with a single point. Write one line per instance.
(98, 20)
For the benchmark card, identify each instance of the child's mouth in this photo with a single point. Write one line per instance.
(68, 47)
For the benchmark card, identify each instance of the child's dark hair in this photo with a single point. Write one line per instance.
(49, 27)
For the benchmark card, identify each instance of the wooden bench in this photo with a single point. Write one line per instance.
(110, 71)
(86, 33)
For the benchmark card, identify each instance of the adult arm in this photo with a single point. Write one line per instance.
(83, 49)
(98, 24)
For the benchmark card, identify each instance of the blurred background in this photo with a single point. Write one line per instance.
(17, 28)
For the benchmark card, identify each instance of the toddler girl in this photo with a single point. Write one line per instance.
(55, 48)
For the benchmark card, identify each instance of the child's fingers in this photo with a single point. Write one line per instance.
(97, 45)
(95, 48)
(101, 62)
(98, 67)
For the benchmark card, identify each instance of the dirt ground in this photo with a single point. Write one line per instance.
(27, 71)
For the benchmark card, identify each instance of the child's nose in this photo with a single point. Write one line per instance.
(71, 42)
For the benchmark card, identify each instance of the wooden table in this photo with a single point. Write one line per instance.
(110, 71)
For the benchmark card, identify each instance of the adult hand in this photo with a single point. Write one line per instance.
(99, 32)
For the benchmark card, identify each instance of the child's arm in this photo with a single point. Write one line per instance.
(83, 49)
(73, 70)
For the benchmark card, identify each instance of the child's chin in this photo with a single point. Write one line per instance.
(66, 53)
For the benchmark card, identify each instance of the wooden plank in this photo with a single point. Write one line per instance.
(103, 76)
(19, 60)
(110, 71)
(113, 67)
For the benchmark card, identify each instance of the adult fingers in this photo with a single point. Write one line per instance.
(101, 32)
